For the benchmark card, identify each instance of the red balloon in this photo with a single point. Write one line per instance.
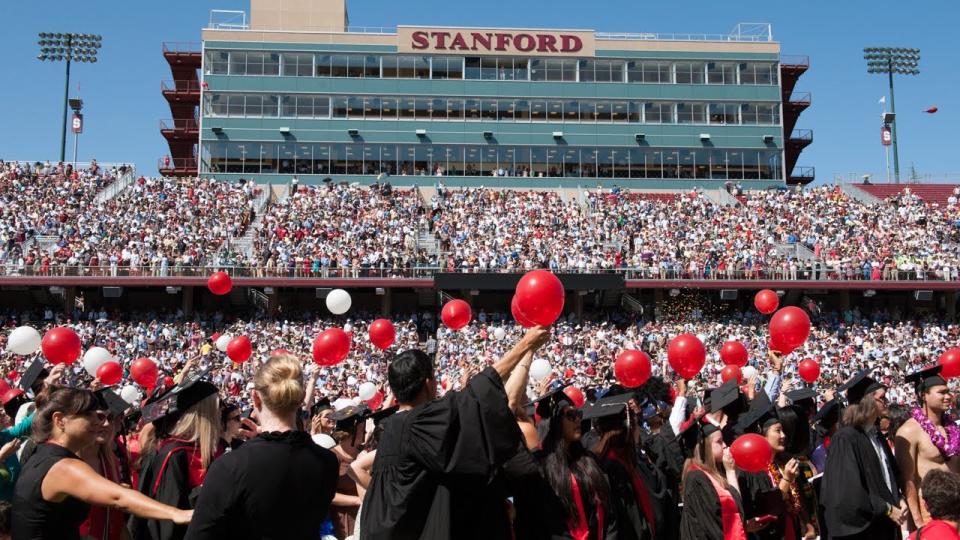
(13, 375)
(575, 395)
(109, 373)
(144, 372)
(331, 347)
(766, 301)
(632, 368)
(61, 345)
(789, 327)
(521, 319)
(950, 360)
(686, 355)
(752, 453)
(809, 370)
(733, 353)
(239, 349)
(279, 352)
(382, 333)
(3, 387)
(168, 382)
(775, 346)
(456, 314)
(540, 297)
(731, 371)
(219, 283)
(376, 401)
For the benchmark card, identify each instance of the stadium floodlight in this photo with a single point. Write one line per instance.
(57, 47)
(890, 61)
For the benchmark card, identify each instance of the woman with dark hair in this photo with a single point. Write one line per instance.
(230, 425)
(57, 488)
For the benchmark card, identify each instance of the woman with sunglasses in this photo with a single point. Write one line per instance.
(56, 487)
(230, 424)
(104, 522)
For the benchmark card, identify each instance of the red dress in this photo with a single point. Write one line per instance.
(104, 523)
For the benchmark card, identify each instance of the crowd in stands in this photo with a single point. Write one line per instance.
(582, 351)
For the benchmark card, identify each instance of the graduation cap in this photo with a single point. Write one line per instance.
(321, 405)
(926, 378)
(32, 373)
(552, 402)
(110, 401)
(727, 398)
(171, 405)
(347, 418)
(860, 385)
(760, 416)
(804, 398)
(609, 412)
(382, 414)
(829, 414)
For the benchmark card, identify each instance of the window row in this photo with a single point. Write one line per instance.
(295, 64)
(311, 106)
(473, 160)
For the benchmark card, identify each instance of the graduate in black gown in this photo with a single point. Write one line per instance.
(859, 493)
(176, 454)
(437, 460)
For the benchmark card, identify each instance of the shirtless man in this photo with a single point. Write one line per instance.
(915, 451)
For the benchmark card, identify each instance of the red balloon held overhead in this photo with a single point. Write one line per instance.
(109, 373)
(752, 453)
(382, 333)
(239, 349)
(521, 319)
(731, 371)
(733, 353)
(220, 283)
(686, 355)
(61, 345)
(950, 360)
(766, 301)
(809, 370)
(331, 347)
(575, 395)
(144, 372)
(789, 327)
(376, 401)
(632, 368)
(456, 314)
(540, 297)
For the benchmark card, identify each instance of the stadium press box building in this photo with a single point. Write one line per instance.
(295, 91)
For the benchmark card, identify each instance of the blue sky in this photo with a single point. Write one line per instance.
(123, 104)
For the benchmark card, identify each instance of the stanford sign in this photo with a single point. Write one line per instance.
(506, 42)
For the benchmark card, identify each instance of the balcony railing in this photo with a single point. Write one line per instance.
(812, 272)
(180, 87)
(181, 47)
(187, 124)
(800, 98)
(177, 164)
(794, 61)
(802, 135)
(803, 173)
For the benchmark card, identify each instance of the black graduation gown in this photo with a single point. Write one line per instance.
(174, 490)
(664, 495)
(433, 477)
(632, 522)
(702, 517)
(761, 498)
(540, 513)
(853, 493)
(277, 485)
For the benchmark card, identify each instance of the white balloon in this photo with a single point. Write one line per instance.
(499, 333)
(223, 341)
(367, 391)
(748, 372)
(24, 340)
(341, 403)
(540, 369)
(338, 301)
(348, 327)
(94, 358)
(324, 441)
(351, 380)
(130, 394)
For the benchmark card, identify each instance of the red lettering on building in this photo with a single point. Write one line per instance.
(420, 40)
(441, 39)
(546, 43)
(480, 39)
(502, 41)
(524, 42)
(570, 43)
(459, 44)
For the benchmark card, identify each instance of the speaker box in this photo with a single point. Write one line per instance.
(322, 293)
(923, 295)
(112, 292)
(728, 294)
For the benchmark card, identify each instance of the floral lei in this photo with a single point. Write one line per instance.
(776, 476)
(950, 446)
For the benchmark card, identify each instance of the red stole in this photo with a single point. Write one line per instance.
(729, 513)
(640, 489)
(580, 527)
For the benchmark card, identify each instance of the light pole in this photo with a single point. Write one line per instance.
(57, 47)
(892, 60)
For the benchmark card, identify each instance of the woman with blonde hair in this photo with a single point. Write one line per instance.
(712, 507)
(178, 445)
(279, 484)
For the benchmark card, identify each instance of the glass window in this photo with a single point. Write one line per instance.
(321, 159)
(505, 109)
(658, 112)
(288, 107)
(604, 111)
(690, 72)
(268, 158)
(538, 110)
(636, 112)
(513, 69)
(263, 63)
(472, 109)
(407, 108)
(388, 108)
(371, 107)
(217, 105)
(297, 65)
(217, 62)
(413, 67)
(448, 67)
(390, 67)
(322, 66)
(488, 109)
(472, 68)
(764, 114)
(619, 111)
(691, 113)
(287, 158)
(586, 70)
(556, 112)
(356, 66)
(521, 109)
(439, 108)
(455, 109)
(648, 72)
(422, 107)
(238, 63)
(371, 67)
(488, 69)
(721, 73)
(724, 113)
(538, 69)
(235, 105)
(338, 65)
(339, 107)
(254, 106)
(271, 106)
(588, 110)
(354, 107)
(551, 69)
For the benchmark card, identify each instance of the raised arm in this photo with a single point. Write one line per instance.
(531, 341)
(75, 478)
(517, 382)
(360, 469)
